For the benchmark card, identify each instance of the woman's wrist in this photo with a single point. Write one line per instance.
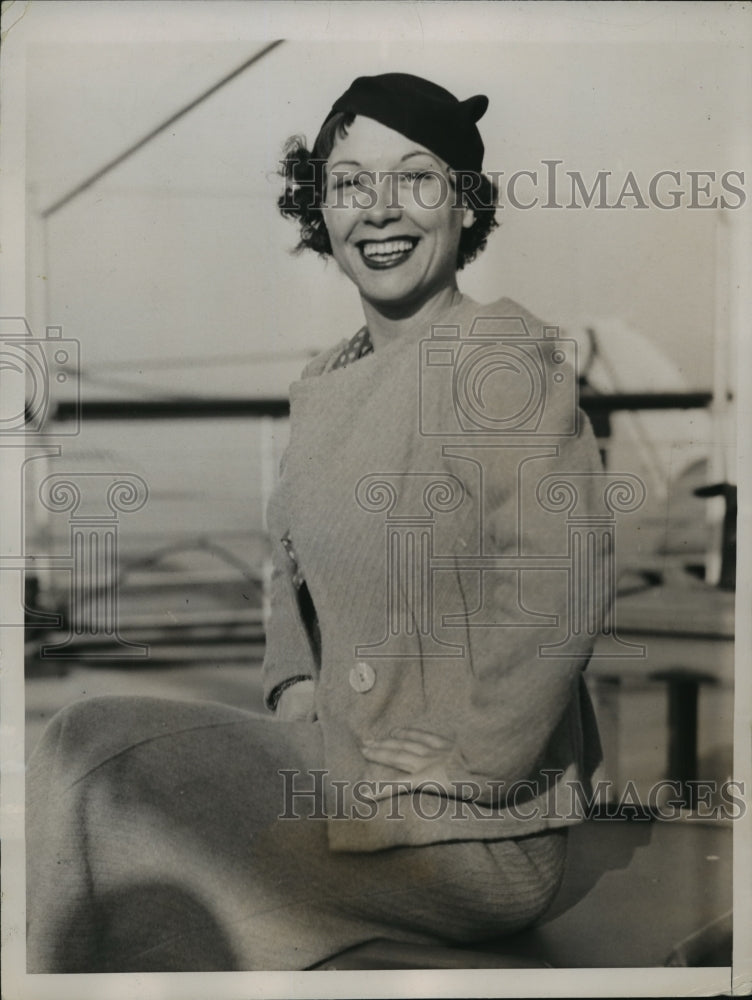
(297, 702)
(277, 692)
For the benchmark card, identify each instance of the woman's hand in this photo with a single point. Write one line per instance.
(416, 754)
(296, 703)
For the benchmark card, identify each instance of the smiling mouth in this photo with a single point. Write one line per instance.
(379, 254)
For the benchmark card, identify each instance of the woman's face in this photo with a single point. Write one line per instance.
(391, 216)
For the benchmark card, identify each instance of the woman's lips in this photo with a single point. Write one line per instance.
(379, 254)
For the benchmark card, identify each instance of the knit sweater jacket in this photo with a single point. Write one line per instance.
(408, 474)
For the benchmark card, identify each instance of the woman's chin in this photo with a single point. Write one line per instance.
(395, 293)
(394, 304)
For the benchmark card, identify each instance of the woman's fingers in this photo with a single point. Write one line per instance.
(413, 751)
(409, 746)
(432, 740)
(396, 756)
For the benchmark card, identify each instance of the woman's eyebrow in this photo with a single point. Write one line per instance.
(356, 163)
(417, 152)
(341, 163)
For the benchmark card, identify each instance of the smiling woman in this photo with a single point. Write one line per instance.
(431, 731)
(309, 173)
(395, 246)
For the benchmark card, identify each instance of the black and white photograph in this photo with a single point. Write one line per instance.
(375, 536)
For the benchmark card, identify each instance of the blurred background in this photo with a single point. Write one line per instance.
(154, 242)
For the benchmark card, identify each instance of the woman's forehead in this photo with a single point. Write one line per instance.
(370, 144)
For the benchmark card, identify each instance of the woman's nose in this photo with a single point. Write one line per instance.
(383, 203)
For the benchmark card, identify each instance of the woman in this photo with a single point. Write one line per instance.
(415, 780)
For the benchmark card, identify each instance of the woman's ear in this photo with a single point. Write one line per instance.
(468, 217)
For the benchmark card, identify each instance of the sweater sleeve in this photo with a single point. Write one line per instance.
(523, 691)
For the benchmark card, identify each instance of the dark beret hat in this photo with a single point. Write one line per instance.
(422, 111)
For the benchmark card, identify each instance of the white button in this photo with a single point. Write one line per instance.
(362, 677)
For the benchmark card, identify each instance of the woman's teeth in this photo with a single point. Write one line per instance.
(381, 249)
(386, 251)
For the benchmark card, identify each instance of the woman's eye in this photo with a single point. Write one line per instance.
(345, 182)
(411, 176)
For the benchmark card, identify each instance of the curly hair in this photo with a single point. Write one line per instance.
(304, 174)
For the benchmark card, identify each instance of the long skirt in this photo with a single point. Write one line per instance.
(155, 843)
